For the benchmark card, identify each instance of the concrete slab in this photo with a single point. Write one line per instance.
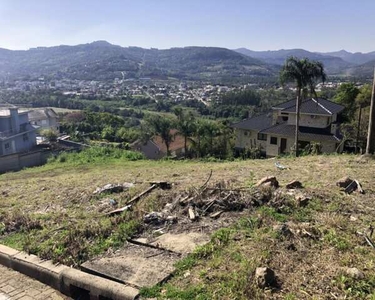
(136, 265)
(183, 243)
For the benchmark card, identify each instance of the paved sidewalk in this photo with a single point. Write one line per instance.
(16, 286)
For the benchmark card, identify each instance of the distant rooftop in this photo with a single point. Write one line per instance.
(318, 106)
(5, 112)
(255, 123)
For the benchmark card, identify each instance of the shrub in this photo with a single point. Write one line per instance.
(96, 155)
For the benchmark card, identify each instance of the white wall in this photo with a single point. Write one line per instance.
(308, 121)
(248, 139)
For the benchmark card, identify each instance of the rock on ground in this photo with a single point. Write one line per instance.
(295, 184)
(354, 273)
(265, 277)
(302, 200)
(269, 181)
(344, 182)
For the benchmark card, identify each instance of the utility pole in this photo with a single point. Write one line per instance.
(370, 149)
(358, 129)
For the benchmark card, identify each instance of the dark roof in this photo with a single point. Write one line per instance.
(256, 123)
(306, 133)
(285, 104)
(319, 106)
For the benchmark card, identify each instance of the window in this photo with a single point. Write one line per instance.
(245, 133)
(314, 116)
(285, 118)
(262, 137)
(7, 146)
(25, 137)
(273, 140)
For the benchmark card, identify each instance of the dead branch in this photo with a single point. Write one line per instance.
(369, 241)
(208, 179)
(133, 200)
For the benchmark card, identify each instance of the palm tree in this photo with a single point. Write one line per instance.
(304, 73)
(162, 126)
(204, 134)
(185, 126)
(316, 72)
(200, 131)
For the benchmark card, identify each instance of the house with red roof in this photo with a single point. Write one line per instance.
(155, 148)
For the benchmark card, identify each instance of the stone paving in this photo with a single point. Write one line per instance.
(16, 286)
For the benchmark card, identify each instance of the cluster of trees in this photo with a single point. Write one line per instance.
(202, 137)
(86, 125)
(356, 114)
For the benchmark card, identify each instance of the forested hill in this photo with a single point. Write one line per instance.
(101, 60)
(336, 63)
(333, 64)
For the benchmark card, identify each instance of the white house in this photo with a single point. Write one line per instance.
(274, 131)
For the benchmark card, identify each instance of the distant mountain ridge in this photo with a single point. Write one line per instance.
(101, 60)
(357, 58)
(333, 65)
(336, 63)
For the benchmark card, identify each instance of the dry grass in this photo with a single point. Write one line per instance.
(307, 266)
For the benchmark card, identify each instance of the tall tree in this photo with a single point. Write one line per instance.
(185, 126)
(205, 132)
(200, 130)
(346, 95)
(362, 100)
(162, 126)
(305, 74)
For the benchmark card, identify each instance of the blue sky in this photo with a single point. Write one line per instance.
(259, 25)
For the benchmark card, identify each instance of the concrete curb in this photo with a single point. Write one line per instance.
(68, 281)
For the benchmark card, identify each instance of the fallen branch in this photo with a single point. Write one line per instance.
(209, 205)
(216, 214)
(133, 200)
(369, 241)
(229, 190)
(208, 179)
(139, 196)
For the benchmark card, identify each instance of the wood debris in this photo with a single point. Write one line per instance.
(192, 215)
(135, 199)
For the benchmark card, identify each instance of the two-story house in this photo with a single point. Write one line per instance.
(16, 132)
(274, 131)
